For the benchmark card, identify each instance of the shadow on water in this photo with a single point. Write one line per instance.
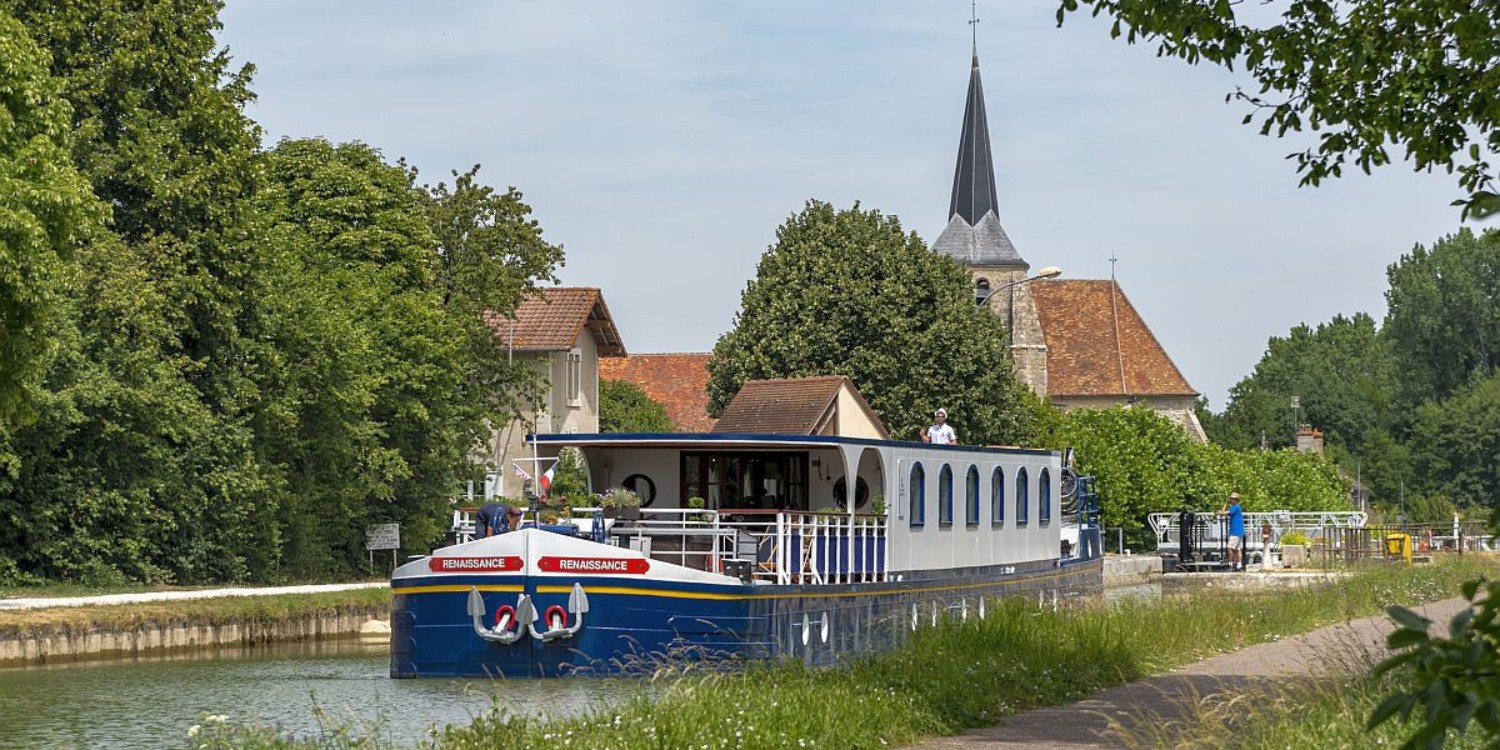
(152, 701)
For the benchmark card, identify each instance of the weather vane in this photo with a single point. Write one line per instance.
(974, 21)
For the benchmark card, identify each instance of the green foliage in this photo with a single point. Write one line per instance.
(1444, 318)
(1294, 537)
(1143, 463)
(624, 407)
(846, 292)
(490, 255)
(263, 352)
(571, 478)
(1365, 75)
(46, 209)
(1447, 684)
(1340, 372)
(1454, 444)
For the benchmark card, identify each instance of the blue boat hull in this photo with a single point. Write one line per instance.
(635, 625)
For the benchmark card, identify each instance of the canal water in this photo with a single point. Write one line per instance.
(151, 702)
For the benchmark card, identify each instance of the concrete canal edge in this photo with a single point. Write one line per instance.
(1131, 570)
(58, 644)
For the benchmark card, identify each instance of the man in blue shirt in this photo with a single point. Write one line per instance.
(496, 518)
(1236, 530)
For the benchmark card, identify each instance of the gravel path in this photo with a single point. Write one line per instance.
(1085, 725)
(43, 602)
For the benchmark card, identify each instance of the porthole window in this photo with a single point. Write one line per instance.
(945, 496)
(1023, 497)
(643, 487)
(971, 497)
(997, 497)
(1044, 497)
(917, 495)
(861, 492)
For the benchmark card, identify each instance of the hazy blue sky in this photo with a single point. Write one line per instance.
(662, 143)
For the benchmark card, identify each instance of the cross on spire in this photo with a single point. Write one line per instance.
(974, 24)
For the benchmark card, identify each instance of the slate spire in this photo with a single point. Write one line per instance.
(974, 235)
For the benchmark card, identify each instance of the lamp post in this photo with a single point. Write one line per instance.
(1050, 272)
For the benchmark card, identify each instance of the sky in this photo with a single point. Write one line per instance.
(662, 144)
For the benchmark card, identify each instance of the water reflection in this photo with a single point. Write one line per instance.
(151, 701)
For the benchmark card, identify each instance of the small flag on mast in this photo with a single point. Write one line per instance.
(546, 481)
(522, 473)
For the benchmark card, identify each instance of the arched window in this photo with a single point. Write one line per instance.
(997, 497)
(945, 496)
(981, 291)
(918, 496)
(1023, 497)
(1044, 498)
(971, 497)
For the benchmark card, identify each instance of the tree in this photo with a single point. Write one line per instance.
(846, 292)
(363, 405)
(1444, 314)
(1366, 75)
(1144, 463)
(624, 407)
(490, 255)
(46, 209)
(1455, 442)
(1339, 371)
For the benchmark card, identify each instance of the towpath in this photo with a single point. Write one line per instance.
(42, 602)
(1086, 724)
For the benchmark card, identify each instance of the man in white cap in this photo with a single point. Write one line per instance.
(940, 433)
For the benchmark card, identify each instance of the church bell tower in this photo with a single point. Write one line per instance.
(975, 238)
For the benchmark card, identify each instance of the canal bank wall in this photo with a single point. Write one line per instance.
(44, 644)
(1131, 570)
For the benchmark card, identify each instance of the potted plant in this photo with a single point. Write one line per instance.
(620, 503)
(698, 502)
(877, 504)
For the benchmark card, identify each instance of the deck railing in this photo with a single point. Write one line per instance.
(784, 547)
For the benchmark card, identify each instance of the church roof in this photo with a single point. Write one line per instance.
(550, 319)
(791, 406)
(973, 234)
(678, 382)
(1098, 345)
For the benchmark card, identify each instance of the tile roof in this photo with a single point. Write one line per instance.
(786, 406)
(677, 381)
(551, 319)
(1086, 357)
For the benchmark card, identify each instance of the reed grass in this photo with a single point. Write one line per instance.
(949, 678)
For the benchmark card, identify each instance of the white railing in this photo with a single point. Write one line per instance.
(783, 547)
(1313, 524)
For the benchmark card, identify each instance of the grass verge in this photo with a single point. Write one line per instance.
(249, 610)
(947, 679)
(1327, 714)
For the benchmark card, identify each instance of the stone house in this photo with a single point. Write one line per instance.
(563, 331)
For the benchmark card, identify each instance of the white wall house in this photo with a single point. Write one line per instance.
(563, 331)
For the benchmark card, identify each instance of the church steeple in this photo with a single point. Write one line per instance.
(974, 235)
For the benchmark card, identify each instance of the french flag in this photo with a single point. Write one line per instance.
(545, 482)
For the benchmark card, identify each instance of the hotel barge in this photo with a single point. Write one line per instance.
(807, 546)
